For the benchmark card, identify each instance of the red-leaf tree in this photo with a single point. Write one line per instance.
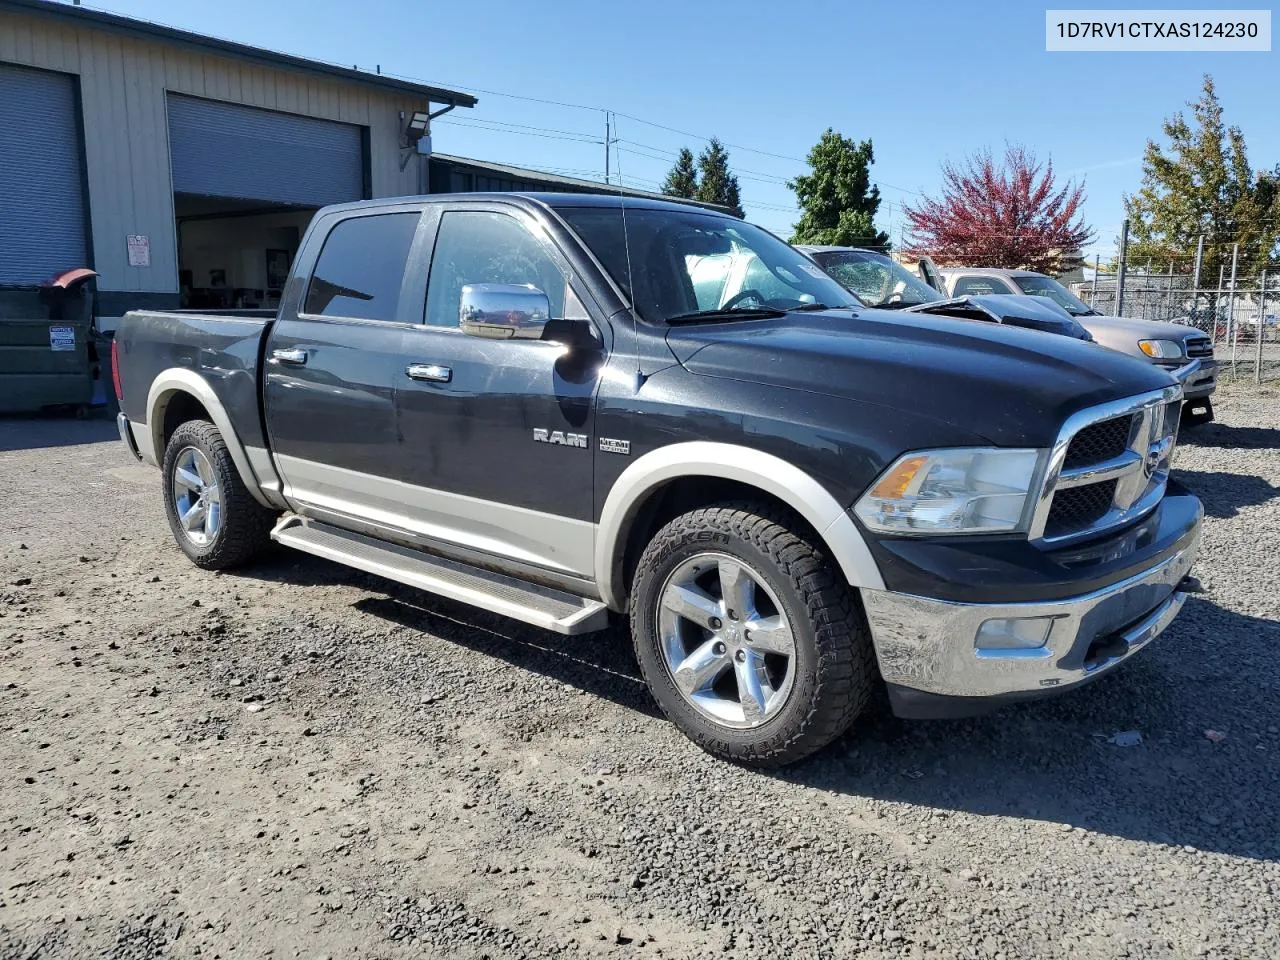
(1001, 213)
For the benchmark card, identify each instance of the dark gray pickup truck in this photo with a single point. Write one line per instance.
(548, 406)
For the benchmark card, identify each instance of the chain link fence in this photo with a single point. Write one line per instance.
(1242, 323)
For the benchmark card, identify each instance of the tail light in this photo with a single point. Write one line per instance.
(115, 369)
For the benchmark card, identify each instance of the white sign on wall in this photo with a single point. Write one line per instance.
(62, 339)
(139, 250)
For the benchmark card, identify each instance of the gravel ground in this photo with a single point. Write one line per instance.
(300, 760)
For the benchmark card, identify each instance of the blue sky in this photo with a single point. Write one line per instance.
(925, 81)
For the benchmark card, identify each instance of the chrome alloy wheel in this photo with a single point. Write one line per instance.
(196, 497)
(726, 641)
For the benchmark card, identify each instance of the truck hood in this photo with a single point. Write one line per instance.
(1138, 329)
(1012, 387)
(1016, 310)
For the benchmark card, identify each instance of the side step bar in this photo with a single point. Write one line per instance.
(538, 605)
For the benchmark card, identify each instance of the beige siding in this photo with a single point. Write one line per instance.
(123, 82)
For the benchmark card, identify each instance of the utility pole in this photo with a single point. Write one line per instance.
(608, 136)
(1168, 293)
(1124, 252)
(1093, 293)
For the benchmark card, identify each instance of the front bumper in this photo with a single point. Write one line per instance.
(1198, 377)
(931, 655)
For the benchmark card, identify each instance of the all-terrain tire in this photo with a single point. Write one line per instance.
(835, 664)
(245, 524)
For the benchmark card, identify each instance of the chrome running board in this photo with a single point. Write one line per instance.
(538, 605)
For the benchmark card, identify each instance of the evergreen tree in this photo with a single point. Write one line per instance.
(682, 181)
(838, 202)
(717, 184)
(1202, 184)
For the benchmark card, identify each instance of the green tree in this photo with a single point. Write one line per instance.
(682, 181)
(717, 184)
(1202, 184)
(838, 202)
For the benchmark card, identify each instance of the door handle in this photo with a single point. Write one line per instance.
(297, 357)
(433, 372)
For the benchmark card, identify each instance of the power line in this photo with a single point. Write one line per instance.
(659, 126)
(477, 125)
(471, 121)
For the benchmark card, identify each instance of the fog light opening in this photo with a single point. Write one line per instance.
(1014, 636)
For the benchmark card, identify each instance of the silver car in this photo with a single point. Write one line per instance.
(1184, 351)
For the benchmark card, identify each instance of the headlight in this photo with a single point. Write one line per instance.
(1161, 349)
(967, 490)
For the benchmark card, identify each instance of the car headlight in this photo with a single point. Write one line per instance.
(1161, 349)
(966, 490)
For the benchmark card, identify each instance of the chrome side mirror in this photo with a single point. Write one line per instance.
(503, 311)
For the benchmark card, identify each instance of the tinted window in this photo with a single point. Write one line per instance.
(361, 267)
(475, 247)
(979, 286)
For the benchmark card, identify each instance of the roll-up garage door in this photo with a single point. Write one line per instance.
(227, 150)
(42, 221)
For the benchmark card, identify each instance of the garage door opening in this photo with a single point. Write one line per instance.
(246, 182)
(235, 253)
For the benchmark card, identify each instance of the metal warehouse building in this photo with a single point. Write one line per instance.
(181, 168)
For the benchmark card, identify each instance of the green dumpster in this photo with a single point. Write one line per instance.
(44, 346)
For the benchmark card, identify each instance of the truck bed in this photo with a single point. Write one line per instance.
(224, 347)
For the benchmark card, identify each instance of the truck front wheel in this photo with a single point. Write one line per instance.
(214, 518)
(747, 637)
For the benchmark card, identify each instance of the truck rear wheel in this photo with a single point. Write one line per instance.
(214, 518)
(748, 639)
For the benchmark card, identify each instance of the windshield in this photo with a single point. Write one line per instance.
(878, 280)
(1051, 289)
(687, 263)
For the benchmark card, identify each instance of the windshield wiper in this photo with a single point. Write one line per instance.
(824, 306)
(714, 316)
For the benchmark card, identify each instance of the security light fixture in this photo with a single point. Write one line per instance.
(417, 133)
(418, 125)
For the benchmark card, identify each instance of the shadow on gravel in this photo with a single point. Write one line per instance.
(1051, 760)
(601, 664)
(53, 430)
(1222, 435)
(1223, 494)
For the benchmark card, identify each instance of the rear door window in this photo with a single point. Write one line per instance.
(361, 268)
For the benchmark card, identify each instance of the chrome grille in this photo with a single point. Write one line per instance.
(1198, 347)
(1078, 507)
(1108, 467)
(1099, 442)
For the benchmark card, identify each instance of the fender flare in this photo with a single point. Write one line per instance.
(177, 380)
(729, 461)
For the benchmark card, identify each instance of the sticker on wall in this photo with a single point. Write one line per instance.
(139, 250)
(62, 338)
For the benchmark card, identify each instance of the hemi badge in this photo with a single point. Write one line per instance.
(615, 446)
